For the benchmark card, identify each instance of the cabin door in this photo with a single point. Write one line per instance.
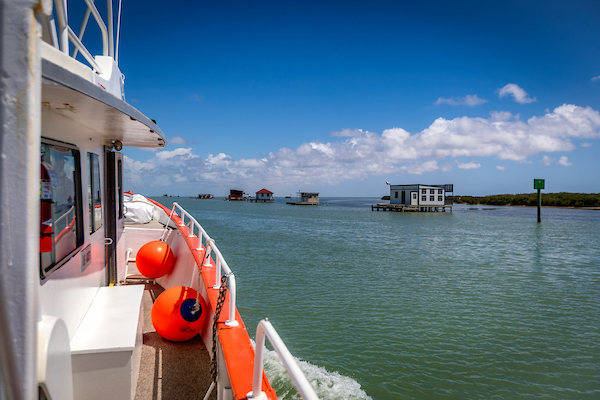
(414, 201)
(114, 215)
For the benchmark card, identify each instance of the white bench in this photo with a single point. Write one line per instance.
(106, 348)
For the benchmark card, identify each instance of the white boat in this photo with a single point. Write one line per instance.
(74, 312)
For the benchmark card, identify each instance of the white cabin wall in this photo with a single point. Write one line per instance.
(68, 292)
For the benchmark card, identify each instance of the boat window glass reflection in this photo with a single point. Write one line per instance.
(94, 193)
(60, 232)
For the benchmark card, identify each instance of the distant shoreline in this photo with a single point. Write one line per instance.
(590, 201)
(522, 205)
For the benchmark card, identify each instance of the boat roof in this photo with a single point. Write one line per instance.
(67, 91)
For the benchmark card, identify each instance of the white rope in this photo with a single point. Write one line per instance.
(162, 237)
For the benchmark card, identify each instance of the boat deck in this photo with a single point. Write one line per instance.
(171, 370)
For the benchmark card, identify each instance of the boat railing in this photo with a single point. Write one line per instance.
(64, 220)
(60, 37)
(221, 266)
(266, 329)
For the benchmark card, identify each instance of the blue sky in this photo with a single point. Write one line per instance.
(341, 96)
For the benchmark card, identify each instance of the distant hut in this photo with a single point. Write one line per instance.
(264, 196)
(418, 197)
(235, 195)
(306, 199)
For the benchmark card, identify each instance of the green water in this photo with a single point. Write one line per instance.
(480, 303)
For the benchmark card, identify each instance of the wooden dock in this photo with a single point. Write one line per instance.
(408, 208)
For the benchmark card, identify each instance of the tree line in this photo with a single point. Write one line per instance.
(561, 199)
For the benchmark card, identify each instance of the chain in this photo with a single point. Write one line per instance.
(218, 308)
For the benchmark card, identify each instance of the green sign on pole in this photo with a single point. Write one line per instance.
(538, 183)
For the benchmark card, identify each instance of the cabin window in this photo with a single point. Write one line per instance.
(414, 196)
(396, 195)
(94, 193)
(431, 191)
(61, 226)
(440, 191)
(423, 198)
(431, 198)
(423, 191)
(440, 198)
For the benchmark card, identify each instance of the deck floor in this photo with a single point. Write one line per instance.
(171, 370)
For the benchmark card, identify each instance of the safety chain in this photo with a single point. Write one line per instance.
(218, 308)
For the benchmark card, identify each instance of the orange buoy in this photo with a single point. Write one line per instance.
(174, 315)
(155, 259)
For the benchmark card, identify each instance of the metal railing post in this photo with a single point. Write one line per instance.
(263, 329)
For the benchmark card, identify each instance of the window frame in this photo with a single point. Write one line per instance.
(45, 272)
(91, 185)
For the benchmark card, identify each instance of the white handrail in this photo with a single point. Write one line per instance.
(263, 329)
(66, 34)
(220, 262)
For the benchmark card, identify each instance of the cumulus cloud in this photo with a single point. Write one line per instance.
(469, 100)
(596, 78)
(357, 154)
(500, 167)
(564, 161)
(469, 165)
(586, 144)
(547, 160)
(518, 94)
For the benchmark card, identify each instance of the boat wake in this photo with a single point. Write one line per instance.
(328, 385)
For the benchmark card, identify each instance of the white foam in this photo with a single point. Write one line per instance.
(328, 385)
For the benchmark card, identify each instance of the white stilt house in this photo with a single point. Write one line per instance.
(419, 197)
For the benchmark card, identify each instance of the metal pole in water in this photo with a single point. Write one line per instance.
(539, 185)
(539, 206)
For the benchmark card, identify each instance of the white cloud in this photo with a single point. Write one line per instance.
(564, 161)
(347, 133)
(500, 167)
(177, 139)
(177, 154)
(518, 94)
(596, 78)
(469, 165)
(586, 144)
(547, 160)
(469, 100)
(358, 154)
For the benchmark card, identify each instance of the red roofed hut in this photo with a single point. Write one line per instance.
(264, 196)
